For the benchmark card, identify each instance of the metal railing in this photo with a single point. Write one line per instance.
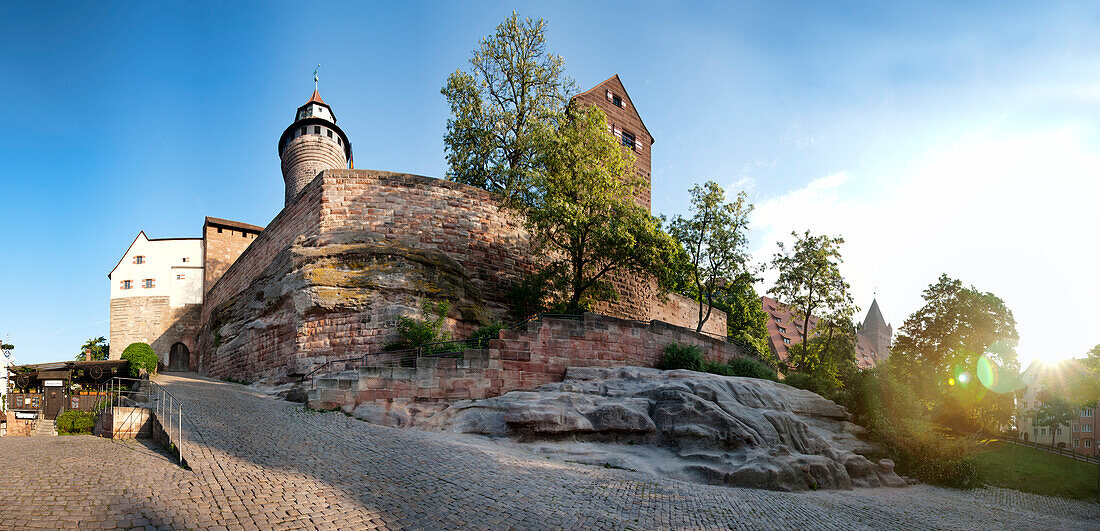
(167, 410)
(442, 349)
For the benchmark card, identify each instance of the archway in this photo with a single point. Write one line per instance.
(179, 357)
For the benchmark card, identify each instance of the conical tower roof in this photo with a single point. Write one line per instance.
(316, 98)
(874, 320)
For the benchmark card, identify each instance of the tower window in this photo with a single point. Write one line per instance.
(329, 131)
(126, 284)
(316, 129)
(617, 101)
(147, 283)
(628, 140)
(338, 143)
(244, 234)
(139, 259)
(303, 131)
(219, 230)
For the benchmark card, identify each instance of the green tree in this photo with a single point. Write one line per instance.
(939, 348)
(99, 348)
(141, 356)
(810, 280)
(501, 107)
(1054, 412)
(829, 356)
(583, 218)
(714, 239)
(746, 320)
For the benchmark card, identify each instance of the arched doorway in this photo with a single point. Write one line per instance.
(179, 357)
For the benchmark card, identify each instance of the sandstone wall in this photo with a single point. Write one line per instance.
(222, 246)
(306, 156)
(18, 427)
(520, 359)
(152, 320)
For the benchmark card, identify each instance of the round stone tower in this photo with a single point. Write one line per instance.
(311, 144)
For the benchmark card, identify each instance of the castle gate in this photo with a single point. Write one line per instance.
(179, 357)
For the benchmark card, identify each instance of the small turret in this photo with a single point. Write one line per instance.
(311, 144)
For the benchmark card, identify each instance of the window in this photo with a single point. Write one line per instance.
(338, 143)
(147, 283)
(180, 277)
(783, 330)
(1087, 412)
(1042, 431)
(1088, 443)
(316, 129)
(778, 319)
(219, 230)
(1036, 430)
(628, 140)
(786, 341)
(126, 284)
(329, 131)
(1087, 428)
(186, 259)
(244, 234)
(139, 259)
(1059, 432)
(617, 101)
(1076, 428)
(1077, 443)
(303, 131)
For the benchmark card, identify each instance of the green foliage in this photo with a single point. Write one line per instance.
(74, 422)
(1053, 413)
(926, 453)
(809, 382)
(140, 356)
(714, 238)
(489, 331)
(414, 332)
(750, 368)
(679, 356)
(231, 379)
(810, 281)
(500, 109)
(99, 348)
(7, 346)
(955, 330)
(583, 218)
(529, 296)
(830, 356)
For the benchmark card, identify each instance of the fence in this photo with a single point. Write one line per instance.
(1066, 452)
(167, 422)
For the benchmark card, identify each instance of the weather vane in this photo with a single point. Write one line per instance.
(315, 76)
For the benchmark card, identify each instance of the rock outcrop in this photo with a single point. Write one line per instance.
(742, 432)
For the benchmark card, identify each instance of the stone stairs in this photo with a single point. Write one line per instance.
(45, 428)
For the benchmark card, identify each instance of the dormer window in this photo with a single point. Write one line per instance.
(617, 101)
(139, 259)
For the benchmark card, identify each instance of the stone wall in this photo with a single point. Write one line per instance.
(152, 320)
(306, 156)
(222, 245)
(331, 274)
(17, 427)
(520, 359)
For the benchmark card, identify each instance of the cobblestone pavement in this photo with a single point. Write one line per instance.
(259, 462)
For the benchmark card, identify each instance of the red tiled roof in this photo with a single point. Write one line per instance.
(316, 97)
(782, 324)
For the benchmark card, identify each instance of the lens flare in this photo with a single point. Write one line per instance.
(964, 378)
(950, 381)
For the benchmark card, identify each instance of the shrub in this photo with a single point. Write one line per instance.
(489, 331)
(810, 383)
(714, 367)
(140, 356)
(414, 332)
(679, 356)
(529, 296)
(73, 422)
(921, 451)
(750, 368)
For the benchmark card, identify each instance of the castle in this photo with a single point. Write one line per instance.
(873, 335)
(350, 252)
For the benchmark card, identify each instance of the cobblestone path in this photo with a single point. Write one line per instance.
(259, 462)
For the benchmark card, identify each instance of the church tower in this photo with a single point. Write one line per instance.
(875, 329)
(311, 144)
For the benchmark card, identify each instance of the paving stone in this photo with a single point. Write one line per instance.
(263, 463)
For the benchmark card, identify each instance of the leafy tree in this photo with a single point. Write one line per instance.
(746, 320)
(810, 280)
(1054, 412)
(714, 238)
(583, 218)
(939, 347)
(829, 356)
(99, 348)
(500, 108)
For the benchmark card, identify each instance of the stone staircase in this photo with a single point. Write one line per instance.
(45, 428)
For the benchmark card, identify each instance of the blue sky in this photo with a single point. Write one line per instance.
(936, 137)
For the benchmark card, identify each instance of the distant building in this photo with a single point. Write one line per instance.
(873, 337)
(158, 285)
(1080, 434)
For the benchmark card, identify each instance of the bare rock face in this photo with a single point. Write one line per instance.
(742, 432)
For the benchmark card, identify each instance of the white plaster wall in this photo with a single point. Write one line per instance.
(163, 262)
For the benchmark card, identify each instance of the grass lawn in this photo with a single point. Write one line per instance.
(1029, 470)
